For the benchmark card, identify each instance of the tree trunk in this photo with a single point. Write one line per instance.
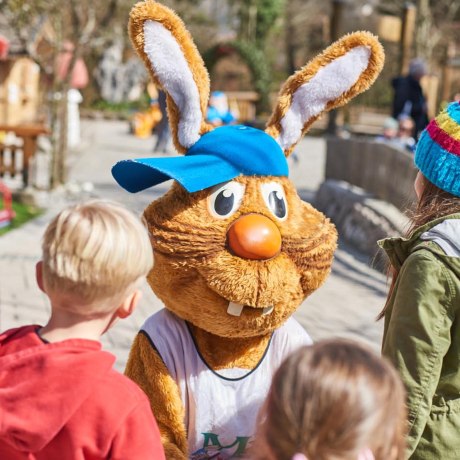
(59, 124)
(63, 139)
(290, 41)
(336, 20)
(54, 124)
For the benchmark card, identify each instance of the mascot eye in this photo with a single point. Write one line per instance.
(275, 199)
(225, 199)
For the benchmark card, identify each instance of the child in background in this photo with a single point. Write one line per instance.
(389, 130)
(333, 400)
(59, 396)
(406, 127)
(218, 112)
(422, 329)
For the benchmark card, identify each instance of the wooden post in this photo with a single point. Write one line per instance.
(28, 148)
(289, 37)
(447, 73)
(338, 7)
(407, 37)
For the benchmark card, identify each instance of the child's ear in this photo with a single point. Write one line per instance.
(39, 275)
(129, 304)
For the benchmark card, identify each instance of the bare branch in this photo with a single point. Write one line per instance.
(90, 26)
(26, 42)
(453, 8)
(76, 23)
(109, 14)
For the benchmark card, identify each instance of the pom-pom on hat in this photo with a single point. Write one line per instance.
(438, 150)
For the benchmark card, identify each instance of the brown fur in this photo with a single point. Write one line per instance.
(229, 352)
(160, 13)
(306, 73)
(194, 271)
(196, 275)
(147, 369)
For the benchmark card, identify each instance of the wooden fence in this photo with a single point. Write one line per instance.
(15, 159)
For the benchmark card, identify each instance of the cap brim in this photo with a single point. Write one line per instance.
(194, 172)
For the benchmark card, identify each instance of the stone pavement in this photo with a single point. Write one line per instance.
(345, 306)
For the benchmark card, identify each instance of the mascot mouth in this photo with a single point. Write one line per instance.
(235, 309)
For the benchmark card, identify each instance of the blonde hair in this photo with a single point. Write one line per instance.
(95, 250)
(333, 401)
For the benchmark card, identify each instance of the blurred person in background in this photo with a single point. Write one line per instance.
(409, 99)
(405, 137)
(219, 112)
(398, 133)
(162, 129)
(389, 130)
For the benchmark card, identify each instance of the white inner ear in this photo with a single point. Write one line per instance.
(172, 69)
(328, 84)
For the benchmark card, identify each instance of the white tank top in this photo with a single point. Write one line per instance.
(221, 407)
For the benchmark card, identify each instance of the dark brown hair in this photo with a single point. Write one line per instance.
(432, 204)
(331, 401)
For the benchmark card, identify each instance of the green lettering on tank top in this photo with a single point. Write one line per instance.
(212, 440)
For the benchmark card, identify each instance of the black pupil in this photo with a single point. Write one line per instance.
(277, 205)
(224, 202)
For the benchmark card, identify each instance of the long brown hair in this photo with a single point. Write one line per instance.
(331, 401)
(432, 204)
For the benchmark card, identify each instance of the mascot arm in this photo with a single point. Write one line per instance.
(147, 369)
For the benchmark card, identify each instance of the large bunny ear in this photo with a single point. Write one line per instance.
(344, 70)
(175, 65)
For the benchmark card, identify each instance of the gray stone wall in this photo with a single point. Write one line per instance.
(368, 186)
(385, 171)
(361, 219)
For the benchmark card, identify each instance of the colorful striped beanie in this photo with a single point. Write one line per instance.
(438, 150)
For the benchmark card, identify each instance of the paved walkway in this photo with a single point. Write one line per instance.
(345, 306)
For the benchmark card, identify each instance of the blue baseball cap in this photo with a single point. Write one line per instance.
(218, 156)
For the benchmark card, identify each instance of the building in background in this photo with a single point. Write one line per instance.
(19, 81)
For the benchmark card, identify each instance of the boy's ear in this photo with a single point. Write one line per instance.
(39, 275)
(129, 304)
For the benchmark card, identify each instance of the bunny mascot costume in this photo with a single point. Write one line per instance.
(236, 250)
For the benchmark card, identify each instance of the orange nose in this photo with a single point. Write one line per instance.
(254, 236)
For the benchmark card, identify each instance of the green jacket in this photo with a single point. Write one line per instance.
(422, 335)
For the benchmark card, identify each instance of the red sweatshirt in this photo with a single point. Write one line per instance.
(63, 401)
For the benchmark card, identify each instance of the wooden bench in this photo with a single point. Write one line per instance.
(29, 135)
(363, 120)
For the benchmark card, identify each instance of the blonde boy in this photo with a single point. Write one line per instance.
(59, 396)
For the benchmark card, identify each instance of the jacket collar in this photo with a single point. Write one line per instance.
(399, 248)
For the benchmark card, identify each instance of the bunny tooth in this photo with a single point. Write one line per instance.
(267, 310)
(235, 309)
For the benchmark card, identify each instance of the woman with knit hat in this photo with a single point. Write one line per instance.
(422, 312)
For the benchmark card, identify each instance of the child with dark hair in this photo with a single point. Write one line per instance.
(409, 99)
